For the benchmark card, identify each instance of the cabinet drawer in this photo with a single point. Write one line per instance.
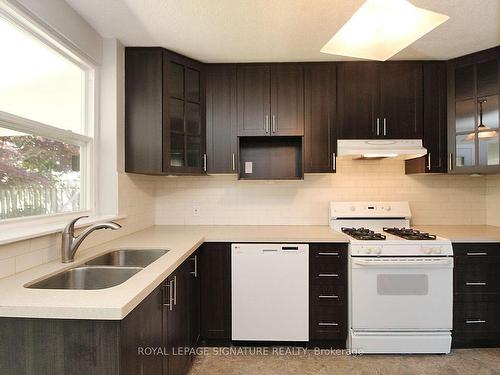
(328, 323)
(327, 272)
(476, 316)
(476, 253)
(477, 278)
(325, 294)
(327, 253)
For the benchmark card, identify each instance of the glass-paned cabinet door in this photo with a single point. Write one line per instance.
(488, 132)
(477, 117)
(194, 156)
(177, 147)
(465, 150)
(465, 115)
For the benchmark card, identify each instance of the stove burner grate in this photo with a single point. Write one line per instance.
(363, 234)
(410, 234)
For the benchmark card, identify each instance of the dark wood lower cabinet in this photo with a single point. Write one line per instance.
(476, 295)
(328, 294)
(177, 321)
(153, 339)
(215, 284)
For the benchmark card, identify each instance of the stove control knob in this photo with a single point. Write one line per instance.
(436, 250)
(367, 250)
(353, 208)
(427, 250)
(377, 250)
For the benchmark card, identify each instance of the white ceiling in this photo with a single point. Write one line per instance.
(277, 30)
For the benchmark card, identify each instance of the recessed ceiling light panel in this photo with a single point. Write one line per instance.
(381, 28)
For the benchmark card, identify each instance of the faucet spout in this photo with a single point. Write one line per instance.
(71, 243)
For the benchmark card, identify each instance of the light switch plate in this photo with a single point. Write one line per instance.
(248, 167)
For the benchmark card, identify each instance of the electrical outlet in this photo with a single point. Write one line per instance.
(196, 210)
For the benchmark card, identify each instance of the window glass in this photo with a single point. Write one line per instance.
(38, 175)
(38, 83)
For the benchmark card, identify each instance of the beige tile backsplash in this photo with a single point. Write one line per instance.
(223, 200)
(493, 200)
(439, 199)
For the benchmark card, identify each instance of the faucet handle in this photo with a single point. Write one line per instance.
(70, 228)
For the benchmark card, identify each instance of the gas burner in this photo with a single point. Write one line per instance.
(410, 234)
(363, 234)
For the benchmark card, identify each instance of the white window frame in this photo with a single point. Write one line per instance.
(86, 141)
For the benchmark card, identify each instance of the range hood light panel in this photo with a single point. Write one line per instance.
(378, 156)
(381, 28)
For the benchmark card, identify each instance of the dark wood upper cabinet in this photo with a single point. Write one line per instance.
(357, 100)
(400, 100)
(253, 99)
(434, 122)
(270, 99)
(380, 100)
(287, 99)
(222, 126)
(320, 140)
(164, 112)
(144, 144)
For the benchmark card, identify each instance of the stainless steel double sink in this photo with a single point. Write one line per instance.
(107, 270)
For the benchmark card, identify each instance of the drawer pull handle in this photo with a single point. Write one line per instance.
(331, 324)
(329, 254)
(476, 254)
(333, 296)
(475, 321)
(478, 283)
(328, 275)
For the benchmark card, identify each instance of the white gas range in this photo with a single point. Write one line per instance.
(400, 282)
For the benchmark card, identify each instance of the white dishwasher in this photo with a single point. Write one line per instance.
(270, 292)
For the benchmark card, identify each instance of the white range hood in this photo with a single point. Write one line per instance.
(380, 148)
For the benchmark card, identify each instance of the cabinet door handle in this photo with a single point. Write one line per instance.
(329, 254)
(450, 162)
(175, 290)
(234, 162)
(378, 126)
(169, 285)
(205, 162)
(267, 124)
(477, 254)
(328, 275)
(429, 161)
(328, 324)
(332, 296)
(334, 161)
(475, 283)
(274, 124)
(385, 127)
(477, 321)
(195, 272)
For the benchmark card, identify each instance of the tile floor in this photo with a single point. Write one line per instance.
(460, 362)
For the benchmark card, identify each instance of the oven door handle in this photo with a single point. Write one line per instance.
(413, 263)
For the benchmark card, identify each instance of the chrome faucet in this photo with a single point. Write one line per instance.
(70, 243)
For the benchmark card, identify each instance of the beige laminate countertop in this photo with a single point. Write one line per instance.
(116, 302)
(464, 233)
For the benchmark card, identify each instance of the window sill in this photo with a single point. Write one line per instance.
(19, 232)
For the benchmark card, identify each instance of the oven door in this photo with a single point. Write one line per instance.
(402, 294)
